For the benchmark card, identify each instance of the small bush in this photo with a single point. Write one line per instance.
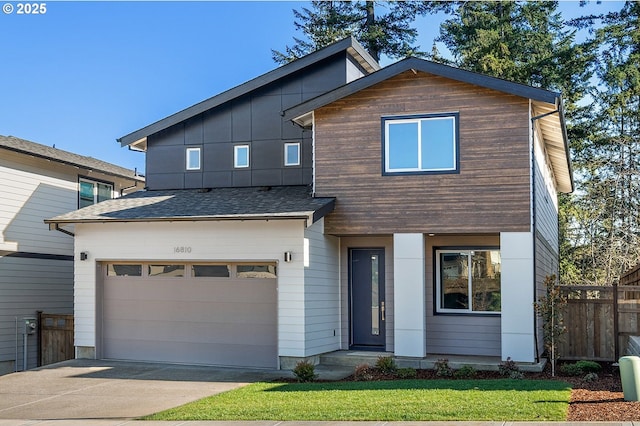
(407, 373)
(590, 377)
(305, 371)
(516, 375)
(589, 366)
(363, 373)
(508, 367)
(442, 368)
(571, 370)
(386, 365)
(465, 372)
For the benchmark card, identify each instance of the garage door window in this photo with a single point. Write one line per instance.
(124, 270)
(256, 271)
(213, 271)
(166, 271)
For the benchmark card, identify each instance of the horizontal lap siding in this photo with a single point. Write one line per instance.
(490, 194)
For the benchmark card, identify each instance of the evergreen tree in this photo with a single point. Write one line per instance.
(382, 27)
(605, 222)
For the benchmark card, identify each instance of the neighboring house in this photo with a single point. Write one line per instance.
(331, 205)
(36, 266)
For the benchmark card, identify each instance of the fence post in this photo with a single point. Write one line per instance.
(616, 317)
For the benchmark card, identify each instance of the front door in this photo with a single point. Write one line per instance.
(366, 299)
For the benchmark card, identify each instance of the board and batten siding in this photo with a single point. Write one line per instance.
(249, 240)
(322, 291)
(491, 193)
(459, 334)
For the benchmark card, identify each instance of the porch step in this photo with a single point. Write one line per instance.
(352, 358)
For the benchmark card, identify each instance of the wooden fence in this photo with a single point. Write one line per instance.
(55, 338)
(599, 321)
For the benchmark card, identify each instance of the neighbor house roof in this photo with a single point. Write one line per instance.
(138, 138)
(284, 202)
(23, 146)
(546, 104)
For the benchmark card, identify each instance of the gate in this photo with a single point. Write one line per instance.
(55, 338)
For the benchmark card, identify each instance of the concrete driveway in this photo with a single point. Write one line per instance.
(95, 389)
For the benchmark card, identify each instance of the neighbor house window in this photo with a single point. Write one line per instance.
(468, 281)
(241, 156)
(292, 154)
(92, 192)
(420, 144)
(193, 158)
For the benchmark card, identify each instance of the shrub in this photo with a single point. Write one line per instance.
(508, 368)
(516, 375)
(589, 366)
(407, 373)
(465, 372)
(386, 365)
(571, 369)
(305, 371)
(590, 377)
(363, 373)
(442, 368)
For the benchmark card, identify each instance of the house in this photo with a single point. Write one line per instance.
(331, 205)
(36, 266)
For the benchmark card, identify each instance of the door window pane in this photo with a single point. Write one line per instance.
(215, 271)
(166, 270)
(256, 271)
(375, 297)
(124, 270)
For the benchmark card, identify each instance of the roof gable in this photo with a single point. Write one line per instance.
(350, 45)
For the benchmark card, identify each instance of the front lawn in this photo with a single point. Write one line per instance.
(417, 400)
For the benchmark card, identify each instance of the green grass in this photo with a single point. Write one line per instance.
(418, 400)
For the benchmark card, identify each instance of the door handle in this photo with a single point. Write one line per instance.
(382, 309)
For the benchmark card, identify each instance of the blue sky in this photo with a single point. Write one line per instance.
(85, 73)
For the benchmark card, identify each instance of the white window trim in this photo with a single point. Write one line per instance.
(236, 149)
(390, 120)
(190, 166)
(438, 285)
(286, 146)
(94, 183)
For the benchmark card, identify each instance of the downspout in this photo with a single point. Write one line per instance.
(533, 218)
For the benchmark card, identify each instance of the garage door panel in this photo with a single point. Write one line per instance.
(217, 321)
(195, 353)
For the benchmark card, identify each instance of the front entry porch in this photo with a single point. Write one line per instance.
(481, 363)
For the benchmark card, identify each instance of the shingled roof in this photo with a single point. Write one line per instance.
(65, 157)
(283, 202)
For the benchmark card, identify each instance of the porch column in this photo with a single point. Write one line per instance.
(409, 293)
(517, 289)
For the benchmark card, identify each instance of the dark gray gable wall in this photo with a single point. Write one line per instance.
(254, 119)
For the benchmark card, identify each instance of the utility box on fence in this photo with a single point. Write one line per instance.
(630, 377)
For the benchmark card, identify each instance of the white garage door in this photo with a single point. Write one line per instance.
(215, 314)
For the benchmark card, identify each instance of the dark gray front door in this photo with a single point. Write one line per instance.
(366, 298)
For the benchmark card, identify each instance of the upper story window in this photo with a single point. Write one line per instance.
(292, 154)
(241, 156)
(420, 143)
(92, 192)
(468, 281)
(193, 158)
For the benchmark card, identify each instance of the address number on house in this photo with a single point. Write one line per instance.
(182, 249)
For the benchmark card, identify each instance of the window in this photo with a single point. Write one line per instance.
(124, 270)
(193, 158)
(256, 271)
(217, 271)
(92, 192)
(420, 144)
(165, 270)
(241, 156)
(468, 281)
(292, 154)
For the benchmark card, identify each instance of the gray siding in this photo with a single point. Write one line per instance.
(26, 286)
(255, 120)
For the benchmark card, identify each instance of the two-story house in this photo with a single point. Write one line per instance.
(36, 266)
(331, 205)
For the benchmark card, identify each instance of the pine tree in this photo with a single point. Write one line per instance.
(383, 28)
